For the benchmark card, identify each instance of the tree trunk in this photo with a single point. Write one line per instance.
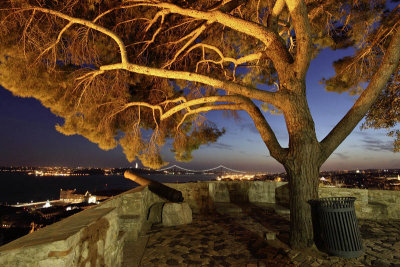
(303, 186)
(302, 166)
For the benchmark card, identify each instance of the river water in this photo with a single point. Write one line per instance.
(26, 188)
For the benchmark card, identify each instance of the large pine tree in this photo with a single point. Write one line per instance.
(115, 69)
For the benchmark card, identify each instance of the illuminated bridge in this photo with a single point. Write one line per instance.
(218, 169)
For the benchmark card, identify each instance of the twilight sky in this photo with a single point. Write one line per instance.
(28, 136)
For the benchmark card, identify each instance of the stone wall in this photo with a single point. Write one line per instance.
(370, 204)
(201, 196)
(196, 195)
(94, 237)
(88, 237)
(387, 203)
(132, 208)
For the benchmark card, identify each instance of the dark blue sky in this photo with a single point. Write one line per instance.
(28, 136)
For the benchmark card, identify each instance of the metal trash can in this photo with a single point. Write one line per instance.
(335, 226)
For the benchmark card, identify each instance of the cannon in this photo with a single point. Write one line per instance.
(157, 188)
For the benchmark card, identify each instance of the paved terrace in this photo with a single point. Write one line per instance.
(237, 238)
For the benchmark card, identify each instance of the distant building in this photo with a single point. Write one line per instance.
(71, 196)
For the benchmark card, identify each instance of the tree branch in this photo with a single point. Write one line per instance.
(242, 103)
(236, 103)
(209, 108)
(273, 98)
(161, 14)
(87, 23)
(367, 98)
(225, 6)
(302, 28)
(194, 35)
(270, 39)
(58, 39)
(137, 104)
(274, 16)
(265, 130)
(254, 93)
(247, 27)
(236, 62)
(199, 101)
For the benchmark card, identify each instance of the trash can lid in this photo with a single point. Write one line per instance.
(334, 202)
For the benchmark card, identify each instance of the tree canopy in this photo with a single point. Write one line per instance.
(75, 51)
(135, 72)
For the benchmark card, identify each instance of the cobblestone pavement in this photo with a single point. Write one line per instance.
(235, 240)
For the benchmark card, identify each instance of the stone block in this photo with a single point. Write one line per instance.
(219, 192)
(262, 192)
(196, 195)
(176, 214)
(238, 191)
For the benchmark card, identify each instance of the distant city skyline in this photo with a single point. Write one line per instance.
(28, 136)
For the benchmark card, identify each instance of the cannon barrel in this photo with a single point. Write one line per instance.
(160, 189)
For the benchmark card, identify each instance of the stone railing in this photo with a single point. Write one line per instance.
(95, 237)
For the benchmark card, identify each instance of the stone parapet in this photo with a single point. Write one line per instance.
(94, 237)
(132, 207)
(370, 204)
(85, 239)
(197, 195)
(202, 196)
